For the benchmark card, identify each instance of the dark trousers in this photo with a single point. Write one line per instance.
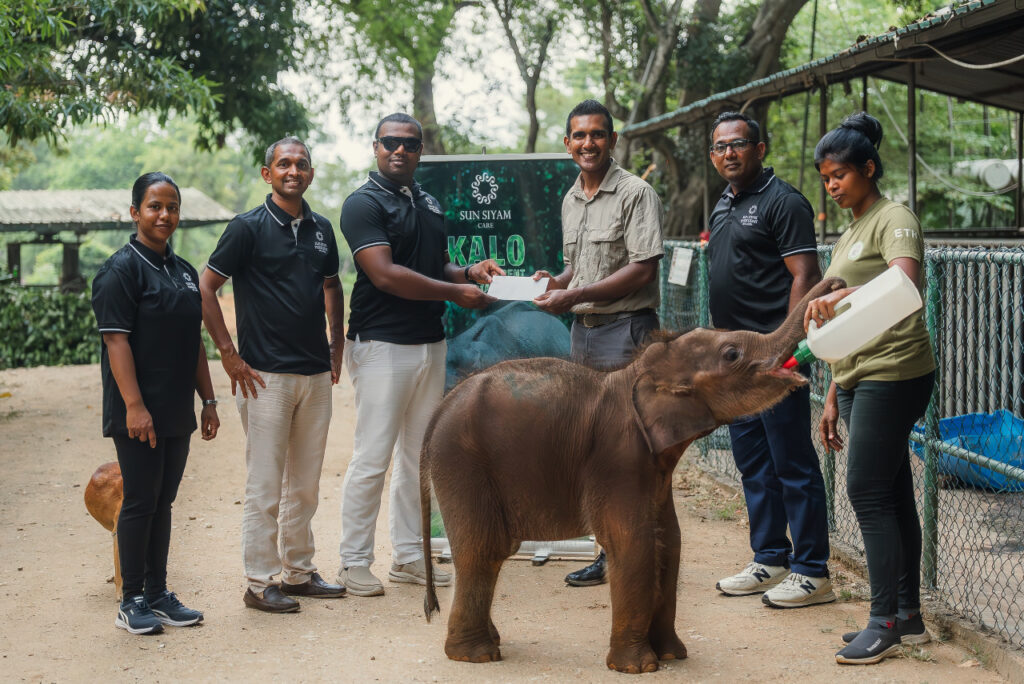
(783, 486)
(879, 416)
(613, 345)
(151, 477)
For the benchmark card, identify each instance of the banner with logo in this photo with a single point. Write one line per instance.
(507, 208)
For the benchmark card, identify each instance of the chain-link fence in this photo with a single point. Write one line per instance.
(968, 451)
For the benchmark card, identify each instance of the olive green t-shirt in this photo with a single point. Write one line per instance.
(885, 232)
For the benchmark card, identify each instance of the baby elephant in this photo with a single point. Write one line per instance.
(545, 449)
(103, 496)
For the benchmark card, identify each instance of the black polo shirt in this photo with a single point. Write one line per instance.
(278, 264)
(411, 222)
(751, 234)
(155, 300)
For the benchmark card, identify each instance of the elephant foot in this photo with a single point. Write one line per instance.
(668, 646)
(632, 660)
(485, 651)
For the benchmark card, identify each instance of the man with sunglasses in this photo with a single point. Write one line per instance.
(612, 241)
(762, 258)
(396, 350)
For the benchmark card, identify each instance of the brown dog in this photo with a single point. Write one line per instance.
(103, 497)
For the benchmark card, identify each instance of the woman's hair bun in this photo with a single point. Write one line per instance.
(867, 125)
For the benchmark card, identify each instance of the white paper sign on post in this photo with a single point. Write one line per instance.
(679, 272)
(519, 288)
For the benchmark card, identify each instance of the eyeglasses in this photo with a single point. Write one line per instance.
(737, 145)
(392, 143)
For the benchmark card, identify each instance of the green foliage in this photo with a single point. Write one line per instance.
(66, 63)
(43, 327)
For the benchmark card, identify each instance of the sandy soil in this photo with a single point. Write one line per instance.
(59, 608)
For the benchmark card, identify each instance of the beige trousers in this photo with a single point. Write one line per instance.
(397, 387)
(286, 434)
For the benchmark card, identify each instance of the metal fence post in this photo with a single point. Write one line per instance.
(930, 526)
(703, 296)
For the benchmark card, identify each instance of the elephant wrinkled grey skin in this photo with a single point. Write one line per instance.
(545, 449)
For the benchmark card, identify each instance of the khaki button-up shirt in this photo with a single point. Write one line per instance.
(619, 225)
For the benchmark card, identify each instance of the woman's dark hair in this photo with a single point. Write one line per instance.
(855, 141)
(143, 182)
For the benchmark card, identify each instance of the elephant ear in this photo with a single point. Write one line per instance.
(669, 415)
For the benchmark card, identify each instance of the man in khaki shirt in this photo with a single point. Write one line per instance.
(611, 242)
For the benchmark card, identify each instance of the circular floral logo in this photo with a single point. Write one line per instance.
(485, 188)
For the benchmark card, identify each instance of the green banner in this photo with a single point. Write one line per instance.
(502, 207)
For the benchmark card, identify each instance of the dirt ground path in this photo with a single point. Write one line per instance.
(59, 610)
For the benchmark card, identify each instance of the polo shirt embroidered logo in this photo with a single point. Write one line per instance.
(489, 192)
(750, 219)
(320, 245)
(432, 204)
(856, 249)
(188, 282)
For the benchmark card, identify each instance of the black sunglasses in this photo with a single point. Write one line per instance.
(392, 143)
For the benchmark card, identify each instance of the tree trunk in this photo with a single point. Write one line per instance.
(423, 107)
(764, 40)
(531, 109)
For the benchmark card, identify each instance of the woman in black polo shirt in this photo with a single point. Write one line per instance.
(149, 312)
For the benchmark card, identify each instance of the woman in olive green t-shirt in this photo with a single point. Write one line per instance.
(880, 391)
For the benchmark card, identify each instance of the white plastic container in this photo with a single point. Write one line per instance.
(865, 314)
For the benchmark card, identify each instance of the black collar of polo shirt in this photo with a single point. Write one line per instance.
(393, 187)
(283, 217)
(767, 173)
(149, 256)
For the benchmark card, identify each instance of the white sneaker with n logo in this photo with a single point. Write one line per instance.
(753, 579)
(797, 591)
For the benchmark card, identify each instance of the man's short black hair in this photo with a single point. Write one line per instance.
(586, 108)
(268, 158)
(752, 125)
(398, 117)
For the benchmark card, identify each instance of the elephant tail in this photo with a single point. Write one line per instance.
(430, 603)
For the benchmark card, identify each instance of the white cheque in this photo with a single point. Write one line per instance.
(521, 288)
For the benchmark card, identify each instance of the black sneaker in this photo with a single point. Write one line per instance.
(169, 610)
(870, 646)
(135, 616)
(911, 631)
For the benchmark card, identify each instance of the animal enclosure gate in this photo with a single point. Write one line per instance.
(969, 448)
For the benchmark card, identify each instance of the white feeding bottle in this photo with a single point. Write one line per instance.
(861, 316)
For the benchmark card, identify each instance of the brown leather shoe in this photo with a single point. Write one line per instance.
(273, 601)
(314, 587)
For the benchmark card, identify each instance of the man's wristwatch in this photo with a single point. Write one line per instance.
(209, 402)
(465, 273)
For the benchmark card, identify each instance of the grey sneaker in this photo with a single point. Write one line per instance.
(753, 579)
(135, 616)
(416, 573)
(359, 581)
(797, 591)
(871, 645)
(911, 631)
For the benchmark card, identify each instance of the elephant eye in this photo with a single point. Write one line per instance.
(731, 354)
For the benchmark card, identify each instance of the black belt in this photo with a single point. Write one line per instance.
(595, 320)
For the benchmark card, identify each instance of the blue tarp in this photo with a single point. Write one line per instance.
(999, 436)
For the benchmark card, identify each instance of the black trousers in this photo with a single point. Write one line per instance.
(151, 477)
(879, 416)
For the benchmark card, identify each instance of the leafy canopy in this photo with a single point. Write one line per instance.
(67, 62)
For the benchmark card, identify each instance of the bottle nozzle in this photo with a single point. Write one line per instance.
(801, 355)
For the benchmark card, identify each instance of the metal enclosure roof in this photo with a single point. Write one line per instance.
(50, 211)
(981, 32)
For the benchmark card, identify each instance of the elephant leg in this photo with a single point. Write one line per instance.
(631, 576)
(472, 636)
(663, 637)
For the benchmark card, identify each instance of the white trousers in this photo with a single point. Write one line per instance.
(397, 388)
(286, 434)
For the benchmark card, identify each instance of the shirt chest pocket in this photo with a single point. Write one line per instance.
(605, 247)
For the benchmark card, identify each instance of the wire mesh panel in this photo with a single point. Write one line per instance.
(967, 452)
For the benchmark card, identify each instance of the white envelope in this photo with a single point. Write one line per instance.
(520, 288)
